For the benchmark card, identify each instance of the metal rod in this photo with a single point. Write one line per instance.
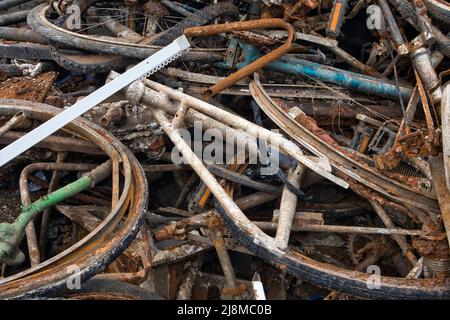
(46, 214)
(6, 4)
(216, 235)
(22, 35)
(401, 240)
(254, 66)
(400, 44)
(242, 179)
(120, 30)
(58, 144)
(13, 18)
(272, 226)
(442, 192)
(288, 207)
(16, 119)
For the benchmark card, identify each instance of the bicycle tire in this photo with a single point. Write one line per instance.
(37, 21)
(329, 276)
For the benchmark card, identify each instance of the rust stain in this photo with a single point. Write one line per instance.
(26, 88)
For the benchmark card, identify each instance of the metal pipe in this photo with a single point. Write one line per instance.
(436, 59)
(13, 18)
(243, 179)
(401, 240)
(288, 207)
(22, 35)
(58, 144)
(423, 64)
(217, 190)
(6, 4)
(13, 233)
(400, 44)
(442, 192)
(177, 7)
(254, 66)
(114, 114)
(180, 115)
(195, 162)
(15, 120)
(352, 61)
(61, 156)
(120, 30)
(272, 226)
(216, 235)
(342, 78)
(243, 203)
(186, 189)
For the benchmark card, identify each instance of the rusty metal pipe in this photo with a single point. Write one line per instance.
(120, 30)
(254, 66)
(57, 144)
(423, 64)
(140, 276)
(6, 4)
(46, 214)
(272, 226)
(425, 106)
(13, 18)
(22, 35)
(445, 118)
(217, 190)
(400, 44)
(30, 231)
(15, 120)
(216, 235)
(401, 240)
(443, 193)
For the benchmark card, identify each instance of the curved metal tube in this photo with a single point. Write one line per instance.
(254, 66)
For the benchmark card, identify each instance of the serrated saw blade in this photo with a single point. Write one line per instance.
(150, 65)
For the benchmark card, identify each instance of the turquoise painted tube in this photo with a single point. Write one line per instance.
(346, 79)
(349, 80)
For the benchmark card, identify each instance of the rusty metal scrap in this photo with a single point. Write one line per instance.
(295, 148)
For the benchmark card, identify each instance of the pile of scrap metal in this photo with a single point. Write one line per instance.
(276, 149)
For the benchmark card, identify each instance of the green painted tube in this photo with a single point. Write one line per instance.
(29, 212)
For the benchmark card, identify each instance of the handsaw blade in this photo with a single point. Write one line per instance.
(150, 65)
